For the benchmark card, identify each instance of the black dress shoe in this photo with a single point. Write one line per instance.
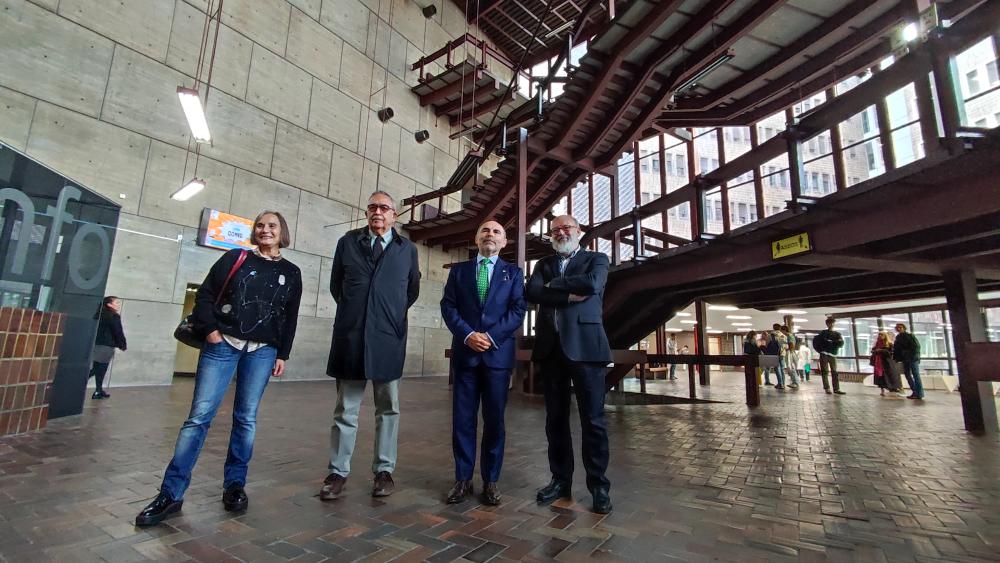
(491, 494)
(235, 498)
(96, 395)
(459, 492)
(555, 489)
(602, 501)
(158, 510)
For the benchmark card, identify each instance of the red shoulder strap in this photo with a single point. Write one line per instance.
(232, 272)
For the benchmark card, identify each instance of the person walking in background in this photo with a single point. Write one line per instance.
(883, 366)
(906, 350)
(750, 348)
(483, 307)
(672, 349)
(573, 348)
(248, 310)
(791, 355)
(110, 335)
(772, 348)
(828, 343)
(375, 280)
(805, 360)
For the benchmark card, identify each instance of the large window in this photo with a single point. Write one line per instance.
(979, 85)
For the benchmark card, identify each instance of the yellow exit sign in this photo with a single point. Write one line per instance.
(790, 246)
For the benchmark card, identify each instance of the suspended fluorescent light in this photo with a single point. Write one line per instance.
(723, 308)
(705, 71)
(560, 29)
(682, 314)
(790, 312)
(800, 320)
(742, 324)
(195, 114)
(690, 322)
(191, 188)
(674, 329)
(714, 332)
(738, 317)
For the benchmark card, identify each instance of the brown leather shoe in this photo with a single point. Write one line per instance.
(459, 492)
(491, 494)
(383, 484)
(333, 486)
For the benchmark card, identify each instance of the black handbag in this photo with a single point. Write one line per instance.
(185, 332)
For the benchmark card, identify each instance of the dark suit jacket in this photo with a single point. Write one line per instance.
(500, 317)
(369, 332)
(580, 326)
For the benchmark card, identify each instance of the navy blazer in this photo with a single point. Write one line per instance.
(580, 323)
(500, 317)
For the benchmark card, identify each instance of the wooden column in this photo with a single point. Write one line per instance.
(758, 181)
(663, 182)
(701, 340)
(837, 150)
(967, 326)
(522, 205)
(885, 133)
(723, 192)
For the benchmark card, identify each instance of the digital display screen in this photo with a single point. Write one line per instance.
(224, 231)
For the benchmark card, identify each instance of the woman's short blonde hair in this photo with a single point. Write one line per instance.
(284, 240)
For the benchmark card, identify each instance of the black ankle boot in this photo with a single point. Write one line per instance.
(235, 498)
(158, 510)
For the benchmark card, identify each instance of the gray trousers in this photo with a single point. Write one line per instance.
(344, 431)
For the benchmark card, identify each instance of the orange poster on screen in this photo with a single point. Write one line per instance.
(225, 231)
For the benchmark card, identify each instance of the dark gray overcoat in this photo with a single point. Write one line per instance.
(369, 331)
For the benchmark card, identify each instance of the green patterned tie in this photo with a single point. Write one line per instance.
(482, 280)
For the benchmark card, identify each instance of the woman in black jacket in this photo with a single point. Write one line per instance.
(249, 324)
(110, 335)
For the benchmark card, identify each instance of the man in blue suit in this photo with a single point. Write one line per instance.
(483, 306)
(572, 346)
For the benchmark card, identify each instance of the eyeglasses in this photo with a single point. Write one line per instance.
(373, 207)
(564, 228)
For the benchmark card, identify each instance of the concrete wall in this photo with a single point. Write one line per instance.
(87, 87)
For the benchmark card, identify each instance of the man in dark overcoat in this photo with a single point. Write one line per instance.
(375, 279)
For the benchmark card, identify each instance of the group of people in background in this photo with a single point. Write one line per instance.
(247, 309)
(793, 359)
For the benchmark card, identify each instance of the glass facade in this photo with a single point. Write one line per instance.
(56, 239)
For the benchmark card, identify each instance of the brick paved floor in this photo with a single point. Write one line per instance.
(806, 477)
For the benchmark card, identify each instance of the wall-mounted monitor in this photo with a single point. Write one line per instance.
(223, 230)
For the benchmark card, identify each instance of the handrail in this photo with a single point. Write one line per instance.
(748, 362)
(484, 49)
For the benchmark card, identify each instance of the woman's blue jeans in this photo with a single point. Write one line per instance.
(216, 366)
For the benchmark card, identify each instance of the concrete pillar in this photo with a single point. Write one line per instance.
(967, 326)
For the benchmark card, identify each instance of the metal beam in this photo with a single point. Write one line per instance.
(719, 45)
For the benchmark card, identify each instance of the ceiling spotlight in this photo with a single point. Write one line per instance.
(429, 10)
(910, 32)
(193, 186)
(195, 114)
(385, 114)
(422, 135)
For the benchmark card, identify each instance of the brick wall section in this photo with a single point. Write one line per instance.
(29, 347)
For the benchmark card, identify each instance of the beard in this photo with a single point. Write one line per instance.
(567, 246)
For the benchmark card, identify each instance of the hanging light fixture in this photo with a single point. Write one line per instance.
(194, 109)
(191, 188)
(195, 114)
